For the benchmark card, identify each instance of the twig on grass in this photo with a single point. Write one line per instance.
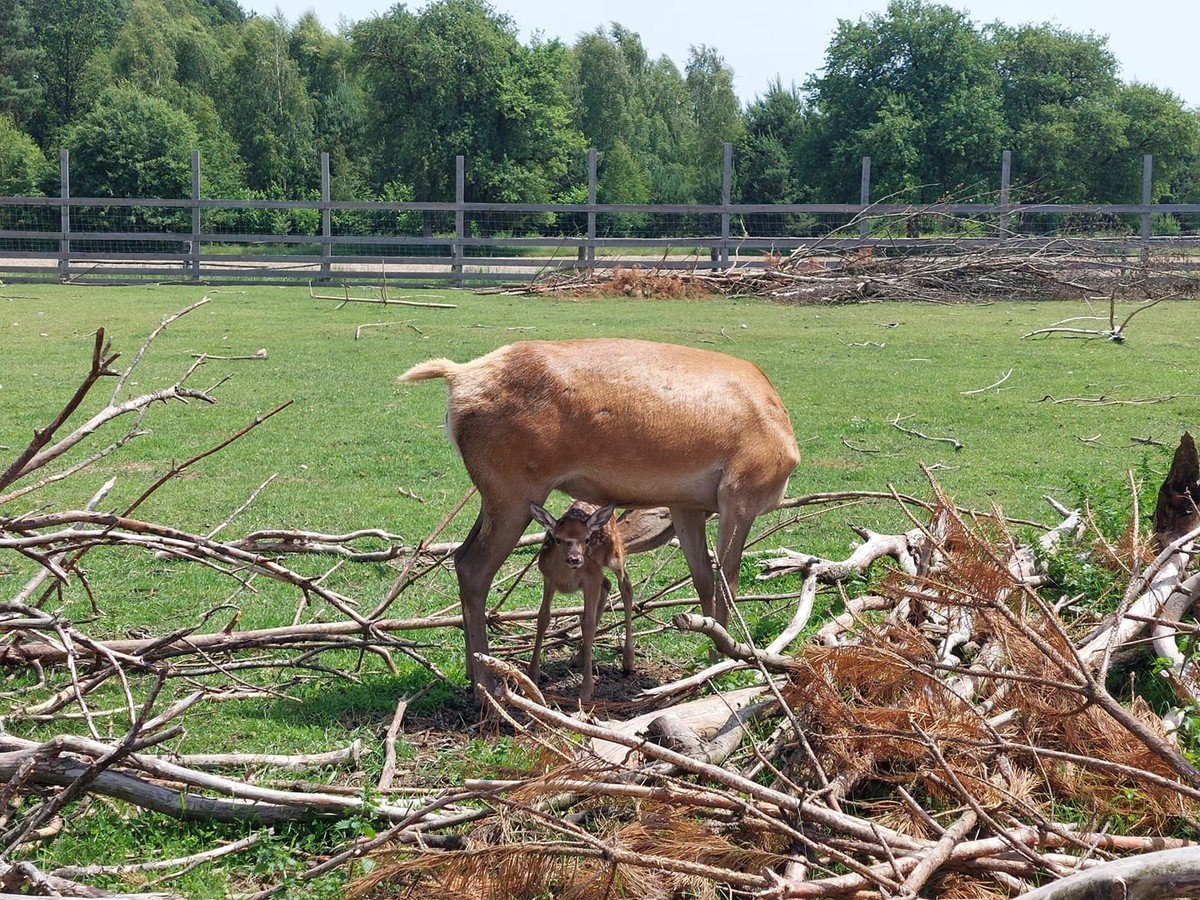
(383, 300)
(954, 442)
(995, 384)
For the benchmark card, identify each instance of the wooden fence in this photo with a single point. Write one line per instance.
(201, 239)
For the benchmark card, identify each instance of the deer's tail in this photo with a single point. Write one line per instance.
(431, 368)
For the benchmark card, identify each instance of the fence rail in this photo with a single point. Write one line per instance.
(222, 240)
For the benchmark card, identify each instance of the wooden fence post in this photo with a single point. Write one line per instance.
(460, 197)
(1005, 194)
(326, 221)
(591, 216)
(1147, 183)
(64, 214)
(864, 198)
(726, 199)
(195, 254)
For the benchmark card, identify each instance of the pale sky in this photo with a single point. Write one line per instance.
(1155, 41)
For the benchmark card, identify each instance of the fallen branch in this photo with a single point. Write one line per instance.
(954, 442)
(1151, 876)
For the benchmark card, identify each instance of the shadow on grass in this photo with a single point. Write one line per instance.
(371, 703)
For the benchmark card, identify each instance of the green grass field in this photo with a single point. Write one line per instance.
(355, 444)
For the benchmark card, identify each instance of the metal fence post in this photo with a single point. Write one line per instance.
(195, 254)
(1005, 194)
(864, 197)
(591, 216)
(326, 221)
(1147, 183)
(460, 197)
(64, 214)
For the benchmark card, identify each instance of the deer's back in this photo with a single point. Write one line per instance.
(617, 419)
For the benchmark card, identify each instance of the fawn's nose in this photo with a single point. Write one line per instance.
(574, 560)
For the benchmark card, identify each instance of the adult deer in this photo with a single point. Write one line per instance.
(579, 545)
(609, 420)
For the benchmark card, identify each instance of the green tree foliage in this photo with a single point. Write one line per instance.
(717, 118)
(163, 49)
(20, 90)
(454, 79)
(930, 95)
(606, 107)
(1059, 92)
(264, 103)
(68, 33)
(625, 180)
(670, 132)
(328, 65)
(916, 89)
(769, 162)
(637, 113)
(130, 144)
(23, 167)
(1156, 123)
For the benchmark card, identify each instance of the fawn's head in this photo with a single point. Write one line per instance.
(574, 532)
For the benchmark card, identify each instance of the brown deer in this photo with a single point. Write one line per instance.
(609, 420)
(578, 547)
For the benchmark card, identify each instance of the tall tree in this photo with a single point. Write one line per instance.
(454, 79)
(1059, 91)
(603, 96)
(916, 89)
(265, 106)
(716, 114)
(770, 153)
(68, 33)
(670, 132)
(1157, 123)
(130, 144)
(20, 90)
(339, 101)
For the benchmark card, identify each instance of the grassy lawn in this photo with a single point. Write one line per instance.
(354, 447)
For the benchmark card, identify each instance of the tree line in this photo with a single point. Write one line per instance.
(131, 87)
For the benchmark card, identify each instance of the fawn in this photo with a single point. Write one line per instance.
(579, 546)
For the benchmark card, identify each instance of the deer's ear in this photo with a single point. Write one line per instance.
(542, 517)
(600, 517)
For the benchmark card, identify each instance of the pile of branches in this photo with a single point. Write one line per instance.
(839, 269)
(950, 734)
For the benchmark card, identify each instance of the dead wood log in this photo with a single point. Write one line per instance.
(293, 762)
(830, 632)
(23, 879)
(807, 811)
(703, 717)
(726, 645)
(1178, 508)
(1151, 876)
(158, 865)
(56, 763)
(905, 549)
(1176, 528)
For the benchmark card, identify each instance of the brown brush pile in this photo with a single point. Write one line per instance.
(633, 281)
(944, 273)
(890, 759)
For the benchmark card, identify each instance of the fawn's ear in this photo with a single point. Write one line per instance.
(600, 517)
(542, 517)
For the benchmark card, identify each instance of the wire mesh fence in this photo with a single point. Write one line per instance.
(317, 238)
